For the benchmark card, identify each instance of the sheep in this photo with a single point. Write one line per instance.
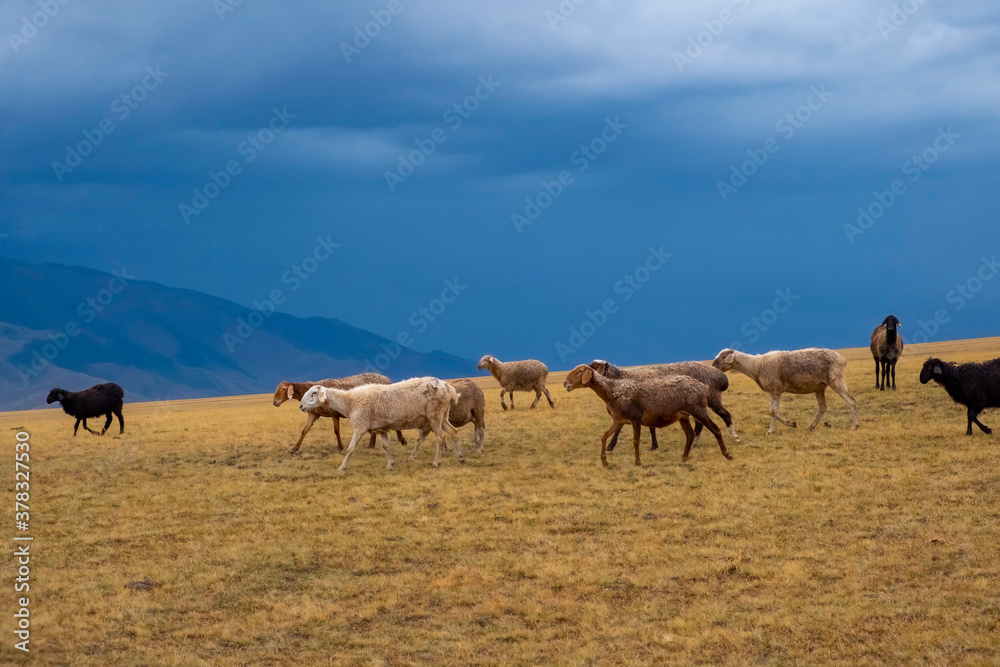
(655, 403)
(524, 375)
(471, 407)
(887, 347)
(713, 378)
(974, 385)
(101, 399)
(797, 372)
(413, 403)
(287, 390)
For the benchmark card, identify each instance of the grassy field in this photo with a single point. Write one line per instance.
(875, 546)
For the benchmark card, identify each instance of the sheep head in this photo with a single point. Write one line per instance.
(580, 376)
(600, 366)
(314, 398)
(56, 395)
(933, 370)
(891, 322)
(488, 362)
(284, 392)
(725, 359)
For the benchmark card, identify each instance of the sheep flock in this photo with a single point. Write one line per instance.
(650, 396)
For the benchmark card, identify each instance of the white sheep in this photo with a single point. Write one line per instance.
(376, 408)
(527, 375)
(807, 371)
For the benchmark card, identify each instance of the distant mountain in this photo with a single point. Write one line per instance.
(74, 327)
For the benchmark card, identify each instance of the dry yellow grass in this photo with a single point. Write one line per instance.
(877, 546)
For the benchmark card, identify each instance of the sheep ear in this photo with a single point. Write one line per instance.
(938, 370)
(729, 359)
(291, 392)
(588, 375)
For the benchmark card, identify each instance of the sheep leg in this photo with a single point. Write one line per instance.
(385, 446)
(615, 427)
(636, 432)
(371, 443)
(336, 432)
(715, 402)
(878, 372)
(885, 375)
(399, 436)
(78, 420)
(480, 430)
(974, 419)
(697, 432)
(439, 433)
(87, 428)
(821, 402)
(614, 438)
(107, 423)
(504, 405)
(121, 421)
(511, 393)
(701, 415)
(894, 374)
(548, 398)
(359, 430)
(775, 402)
(538, 395)
(652, 434)
(688, 438)
(311, 418)
(453, 432)
(424, 430)
(840, 386)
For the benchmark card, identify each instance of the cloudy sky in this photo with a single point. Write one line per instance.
(664, 179)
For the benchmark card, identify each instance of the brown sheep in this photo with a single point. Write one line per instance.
(655, 403)
(887, 348)
(713, 378)
(287, 390)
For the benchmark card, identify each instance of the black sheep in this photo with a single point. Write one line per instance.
(101, 399)
(974, 385)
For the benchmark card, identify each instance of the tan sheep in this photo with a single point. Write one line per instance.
(289, 390)
(471, 407)
(654, 403)
(527, 375)
(887, 348)
(807, 371)
(415, 403)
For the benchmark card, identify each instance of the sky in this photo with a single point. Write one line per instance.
(569, 180)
